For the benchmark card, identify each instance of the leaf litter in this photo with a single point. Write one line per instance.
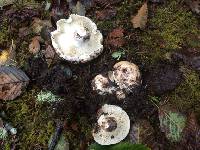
(59, 79)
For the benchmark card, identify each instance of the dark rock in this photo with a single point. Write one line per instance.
(163, 78)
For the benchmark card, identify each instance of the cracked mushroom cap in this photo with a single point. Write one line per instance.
(77, 39)
(126, 75)
(102, 85)
(113, 125)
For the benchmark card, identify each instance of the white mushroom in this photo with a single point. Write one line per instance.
(77, 39)
(113, 125)
(126, 75)
(102, 85)
(122, 80)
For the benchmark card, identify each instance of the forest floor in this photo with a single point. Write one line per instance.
(167, 52)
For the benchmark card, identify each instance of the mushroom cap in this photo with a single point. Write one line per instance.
(102, 135)
(102, 85)
(77, 39)
(126, 75)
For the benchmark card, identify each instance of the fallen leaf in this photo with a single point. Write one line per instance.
(172, 123)
(140, 20)
(38, 24)
(34, 46)
(7, 56)
(4, 56)
(163, 78)
(12, 81)
(116, 38)
(49, 54)
(24, 31)
(143, 133)
(105, 14)
(191, 134)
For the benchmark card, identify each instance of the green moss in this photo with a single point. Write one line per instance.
(86, 127)
(33, 122)
(187, 95)
(174, 24)
(105, 25)
(170, 26)
(4, 32)
(22, 53)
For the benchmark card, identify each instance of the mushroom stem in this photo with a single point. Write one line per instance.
(109, 124)
(82, 34)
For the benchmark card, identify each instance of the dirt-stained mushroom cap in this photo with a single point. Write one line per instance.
(77, 39)
(102, 85)
(126, 75)
(113, 125)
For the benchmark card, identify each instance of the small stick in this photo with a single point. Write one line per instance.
(55, 137)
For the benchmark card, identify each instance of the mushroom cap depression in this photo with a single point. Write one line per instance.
(77, 39)
(113, 125)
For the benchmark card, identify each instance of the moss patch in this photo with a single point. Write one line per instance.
(187, 95)
(33, 123)
(170, 27)
(4, 32)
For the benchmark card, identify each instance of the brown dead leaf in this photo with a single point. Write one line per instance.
(49, 54)
(116, 38)
(24, 31)
(191, 134)
(38, 24)
(12, 80)
(34, 46)
(143, 133)
(140, 20)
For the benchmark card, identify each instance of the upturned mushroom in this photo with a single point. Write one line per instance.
(77, 39)
(112, 126)
(124, 78)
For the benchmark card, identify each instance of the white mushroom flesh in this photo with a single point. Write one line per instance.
(77, 39)
(104, 137)
(102, 85)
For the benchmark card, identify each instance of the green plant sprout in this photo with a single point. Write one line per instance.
(118, 54)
